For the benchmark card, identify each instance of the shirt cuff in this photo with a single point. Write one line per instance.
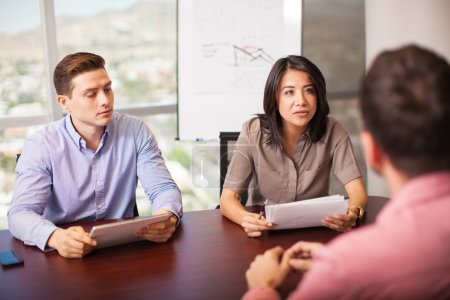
(178, 220)
(169, 200)
(44, 236)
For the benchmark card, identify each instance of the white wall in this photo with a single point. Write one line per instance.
(393, 23)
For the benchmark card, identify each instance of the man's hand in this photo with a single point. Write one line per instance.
(267, 269)
(300, 255)
(254, 224)
(159, 232)
(72, 242)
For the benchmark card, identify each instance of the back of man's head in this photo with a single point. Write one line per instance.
(405, 105)
(73, 65)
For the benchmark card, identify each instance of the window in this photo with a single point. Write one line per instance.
(22, 85)
(184, 160)
(23, 89)
(137, 38)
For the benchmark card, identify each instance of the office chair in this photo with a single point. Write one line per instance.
(135, 210)
(227, 141)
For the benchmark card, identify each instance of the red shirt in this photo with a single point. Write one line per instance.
(405, 254)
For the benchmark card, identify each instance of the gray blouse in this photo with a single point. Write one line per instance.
(271, 174)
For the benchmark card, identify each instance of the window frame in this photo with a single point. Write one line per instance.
(51, 58)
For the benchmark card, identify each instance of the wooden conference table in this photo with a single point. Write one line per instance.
(206, 259)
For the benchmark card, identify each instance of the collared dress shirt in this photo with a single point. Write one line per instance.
(270, 174)
(59, 180)
(403, 255)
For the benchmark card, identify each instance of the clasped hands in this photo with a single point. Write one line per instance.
(254, 224)
(74, 242)
(271, 268)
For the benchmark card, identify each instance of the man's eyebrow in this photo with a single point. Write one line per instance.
(95, 88)
(85, 91)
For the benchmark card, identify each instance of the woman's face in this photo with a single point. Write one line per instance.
(296, 100)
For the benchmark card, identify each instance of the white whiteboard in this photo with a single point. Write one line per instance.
(226, 49)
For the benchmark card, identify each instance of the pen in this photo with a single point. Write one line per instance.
(262, 209)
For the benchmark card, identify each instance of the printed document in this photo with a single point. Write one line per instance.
(305, 213)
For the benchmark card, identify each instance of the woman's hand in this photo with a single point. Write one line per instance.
(254, 224)
(341, 223)
(357, 198)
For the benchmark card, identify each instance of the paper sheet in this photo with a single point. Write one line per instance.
(305, 213)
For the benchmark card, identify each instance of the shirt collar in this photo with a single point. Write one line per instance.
(108, 130)
(110, 126)
(305, 136)
(76, 137)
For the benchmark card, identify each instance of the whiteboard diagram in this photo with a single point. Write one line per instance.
(235, 38)
(248, 55)
(226, 49)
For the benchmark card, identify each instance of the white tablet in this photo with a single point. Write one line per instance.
(124, 231)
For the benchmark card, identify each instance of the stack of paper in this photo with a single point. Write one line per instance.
(305, 213)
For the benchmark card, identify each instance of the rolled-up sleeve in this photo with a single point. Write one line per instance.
(154, 175)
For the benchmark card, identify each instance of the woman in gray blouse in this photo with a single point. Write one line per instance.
(287, 153)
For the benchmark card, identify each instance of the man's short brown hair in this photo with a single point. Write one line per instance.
(73, 65)
(405, 105)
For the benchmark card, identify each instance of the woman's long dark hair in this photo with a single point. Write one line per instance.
(271, 122)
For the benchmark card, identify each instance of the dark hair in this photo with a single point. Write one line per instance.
(405, 106)
(73, 65)
(271, 121)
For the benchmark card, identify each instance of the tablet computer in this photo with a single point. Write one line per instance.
(123, 231)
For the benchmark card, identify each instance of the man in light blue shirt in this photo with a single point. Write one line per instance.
(86, 166)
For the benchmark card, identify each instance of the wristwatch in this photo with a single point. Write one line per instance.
(359, 211)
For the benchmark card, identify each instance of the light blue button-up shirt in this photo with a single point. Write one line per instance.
(59, 180)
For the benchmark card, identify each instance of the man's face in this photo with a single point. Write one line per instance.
(92, 102)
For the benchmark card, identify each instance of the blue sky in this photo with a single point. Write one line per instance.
(22, 15)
